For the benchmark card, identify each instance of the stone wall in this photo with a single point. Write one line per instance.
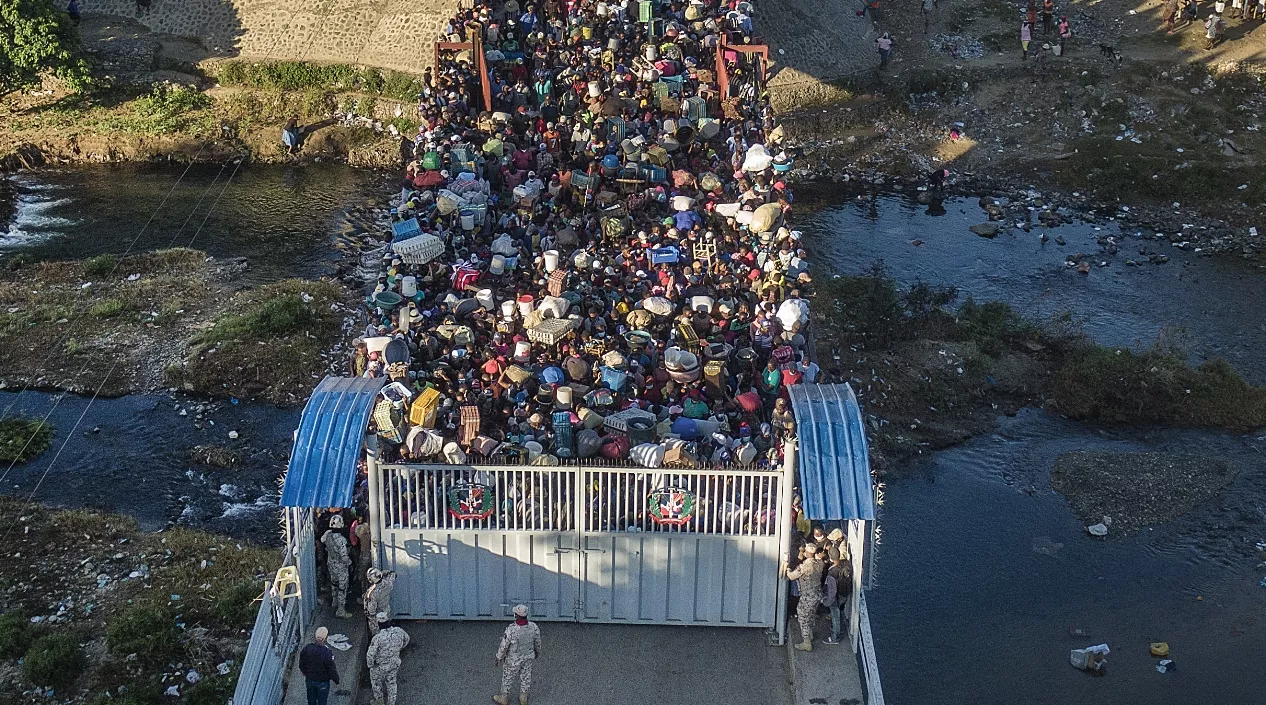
(393, 34)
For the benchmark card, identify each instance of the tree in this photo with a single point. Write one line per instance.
(38, 36)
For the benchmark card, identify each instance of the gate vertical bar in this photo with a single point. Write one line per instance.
(375, 501)
(579, 516)
(786, 524)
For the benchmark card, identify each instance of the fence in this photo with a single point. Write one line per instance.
(280, 623)
(867, 664)
(594, 499)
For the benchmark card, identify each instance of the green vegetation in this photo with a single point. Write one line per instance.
(1127, 171)
(1156, 386)
(146, 630)
(339, 78)
(23, 439)
(270, 319)
(16, 634)
(38, 36)
(235, 604)
(168, 108)
(54, 660)
(100, 266)
(108, 308)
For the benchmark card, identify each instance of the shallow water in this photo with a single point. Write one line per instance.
(983, 571)
(286, 220)
(131, 455)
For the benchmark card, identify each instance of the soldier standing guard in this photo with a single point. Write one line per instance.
(808, 577)
(383, 659)
(520, 646)
(338, 560)
(378, 596)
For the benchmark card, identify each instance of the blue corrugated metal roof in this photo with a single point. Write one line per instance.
(834, 465)
(322, 470)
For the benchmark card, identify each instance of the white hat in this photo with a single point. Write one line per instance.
(520, 610)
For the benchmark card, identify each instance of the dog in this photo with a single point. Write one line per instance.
(1110, 51)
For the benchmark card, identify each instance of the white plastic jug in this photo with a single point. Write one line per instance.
(484, 297)
(409, 286)
(498, 266)
(551, 260)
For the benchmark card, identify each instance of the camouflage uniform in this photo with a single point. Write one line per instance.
(383, 659)
(519, 647)
(378, 599)
(337, 560)
(808, 577)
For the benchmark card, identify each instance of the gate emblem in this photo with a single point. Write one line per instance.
(470, 500)
(672, 506)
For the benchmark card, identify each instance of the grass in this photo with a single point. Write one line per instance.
(16, 634)
(1125, 171)
(302, 75)
(100, 266)
(1155, 386)
(54, 660)
(23, 439)
(147, 630)
(109, 308)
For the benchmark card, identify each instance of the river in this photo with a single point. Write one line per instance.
(984, 578)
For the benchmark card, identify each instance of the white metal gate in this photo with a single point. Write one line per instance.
(581, 543)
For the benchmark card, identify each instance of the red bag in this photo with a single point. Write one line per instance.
(750, 401)
(615, 447)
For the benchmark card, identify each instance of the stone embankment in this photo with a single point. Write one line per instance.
(392, 34)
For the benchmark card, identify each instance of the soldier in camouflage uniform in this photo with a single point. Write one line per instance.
(338, 560)
(378, 596)
(520, 646)
(383, 659)
(808, 577)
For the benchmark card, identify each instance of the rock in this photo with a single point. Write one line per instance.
(1097, 530)
(989, 230)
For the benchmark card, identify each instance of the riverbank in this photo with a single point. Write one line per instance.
(95, 611)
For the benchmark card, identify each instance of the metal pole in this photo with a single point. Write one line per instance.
(786, 525)
(375, 500)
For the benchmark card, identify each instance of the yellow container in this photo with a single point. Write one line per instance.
(422, 412)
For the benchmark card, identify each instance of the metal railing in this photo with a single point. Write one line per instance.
(281, 622)
(867, 664)
(726, 501)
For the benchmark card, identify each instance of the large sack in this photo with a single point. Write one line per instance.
(765, 217)
(648, 455)
(793, 311)
(757, 159)
(658, 305)
(587, 442)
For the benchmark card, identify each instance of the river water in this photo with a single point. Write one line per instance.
(984, 577)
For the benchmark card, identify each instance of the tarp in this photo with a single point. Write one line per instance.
(834, 465)
(322, 470)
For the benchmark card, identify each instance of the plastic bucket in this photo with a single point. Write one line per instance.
(507, 308)
(522, 350)
(409, 287)
(498, 266)
(563, 395)
(468, 220)
(595, 90)
(526, 304)
(484, 297)
(551, 260)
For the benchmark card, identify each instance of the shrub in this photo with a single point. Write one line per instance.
(270, 319)
(211, 691)
(145, 630)
(16, 635)
(235, 606)
(108, 308)
(100, 266)
(23, 439)
(54, 660)
(167, 107)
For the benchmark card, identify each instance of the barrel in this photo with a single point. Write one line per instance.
(409, 286)
(551, 260)
(484, 297)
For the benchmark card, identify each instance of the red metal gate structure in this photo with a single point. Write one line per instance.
(723, 75)
(476, 50)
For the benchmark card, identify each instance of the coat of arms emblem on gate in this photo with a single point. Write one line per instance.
(470, 500)
(672, 506)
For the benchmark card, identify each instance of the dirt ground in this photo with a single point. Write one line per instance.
(1128, 115)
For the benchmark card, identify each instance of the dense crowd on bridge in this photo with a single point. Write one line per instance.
(600, 265)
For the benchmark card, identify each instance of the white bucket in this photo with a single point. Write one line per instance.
(651, 53)
(595, 90)
(522, 350)
(563, 395)
(507, 308)
(484, 297)
(498, 266)
(526, 304)
(551, 260)
(403, 319)
(468, 220)
(409, 287)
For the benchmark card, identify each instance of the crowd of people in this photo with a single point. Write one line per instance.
(599, 265)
